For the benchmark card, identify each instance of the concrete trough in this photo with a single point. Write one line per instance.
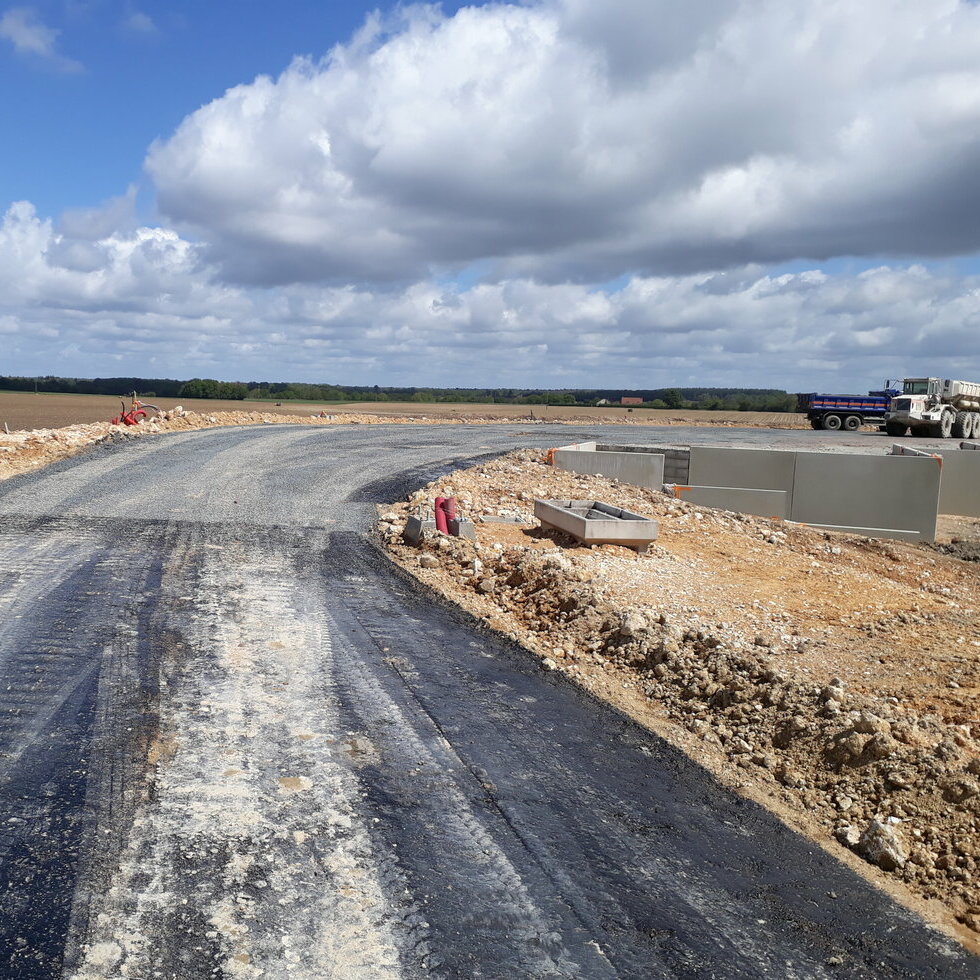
(594, 522)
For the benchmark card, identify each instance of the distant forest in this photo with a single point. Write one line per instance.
(711, 399)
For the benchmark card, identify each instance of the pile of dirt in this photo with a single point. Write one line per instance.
(833, 677)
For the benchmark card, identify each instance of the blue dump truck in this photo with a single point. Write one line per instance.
(847, 412)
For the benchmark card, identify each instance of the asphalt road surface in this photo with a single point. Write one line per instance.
(234, 742)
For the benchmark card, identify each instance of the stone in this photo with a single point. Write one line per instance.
(632, 623)
(960, 788)
(881, 845)
(429, 561)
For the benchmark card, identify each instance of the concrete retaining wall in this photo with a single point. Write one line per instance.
(749, 469)
(641, 468)
(677, 462)
(762, 503)
(887, 496)
(883, 493)
(960, 490)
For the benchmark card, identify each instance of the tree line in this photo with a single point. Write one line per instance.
(710, 399)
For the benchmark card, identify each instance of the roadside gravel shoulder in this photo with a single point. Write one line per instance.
(832, 678)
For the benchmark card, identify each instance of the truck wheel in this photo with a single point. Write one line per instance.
(852, 423)
(961, 426)
(831, 422)
(973, 425)
(896, 428)
(946, 424)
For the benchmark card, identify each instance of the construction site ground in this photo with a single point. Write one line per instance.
(833, 678)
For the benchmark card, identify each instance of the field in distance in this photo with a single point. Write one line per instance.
(27, 410)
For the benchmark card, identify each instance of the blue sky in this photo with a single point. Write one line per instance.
(634, 194)
(79, 135)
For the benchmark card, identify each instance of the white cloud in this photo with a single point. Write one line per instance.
(143, 302)
(563, 139)
(22, 27)
(140, 23)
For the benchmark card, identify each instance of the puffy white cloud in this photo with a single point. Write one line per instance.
(138, 22)
(29, 35)
(561, 139)
(142, 302)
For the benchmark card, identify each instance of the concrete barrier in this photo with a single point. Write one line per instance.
(748, 469)
(677, 462)
(882, 493)
(960, 490)
(630, 465)
(762, 503)
(888, 496)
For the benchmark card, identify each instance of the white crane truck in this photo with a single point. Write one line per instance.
(936, 407)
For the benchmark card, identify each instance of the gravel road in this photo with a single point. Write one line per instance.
(234, 742)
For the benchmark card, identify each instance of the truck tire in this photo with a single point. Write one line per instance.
(974, 425)
(896, 428)
(962, 426)
(852, 423)
(832, 422)
(944, 427)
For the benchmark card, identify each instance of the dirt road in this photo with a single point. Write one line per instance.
(234, 743)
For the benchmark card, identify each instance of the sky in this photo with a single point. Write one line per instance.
(546, 193)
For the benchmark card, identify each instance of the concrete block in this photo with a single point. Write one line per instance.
(970, 445)
(638, 468)
(594, 522)
(462, 527)
(749, 469)
(417, 528)
(875, 493)
(762, 503)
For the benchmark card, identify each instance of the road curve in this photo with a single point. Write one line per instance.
(234, 742)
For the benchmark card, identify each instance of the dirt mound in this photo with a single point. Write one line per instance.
(836, 675)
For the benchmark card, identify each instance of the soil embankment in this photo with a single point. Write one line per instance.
(833, 678)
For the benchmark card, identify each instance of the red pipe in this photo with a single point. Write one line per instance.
(441, 526)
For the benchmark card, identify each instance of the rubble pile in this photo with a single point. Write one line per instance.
(773, 692)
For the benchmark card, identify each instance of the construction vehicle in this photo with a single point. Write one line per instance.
(847, 412)
(936, 407)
